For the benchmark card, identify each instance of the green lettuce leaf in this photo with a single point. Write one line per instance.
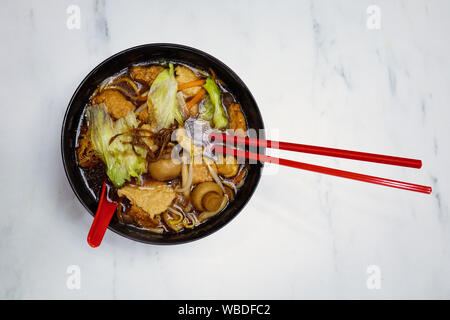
(207, 110)
(121, 161)
(162, 99)
(220, 119)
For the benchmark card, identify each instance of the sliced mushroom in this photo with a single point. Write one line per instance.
(164, 170)
(208, 214)
(207, 196)
(211, 201)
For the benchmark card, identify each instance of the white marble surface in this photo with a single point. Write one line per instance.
(319, 75)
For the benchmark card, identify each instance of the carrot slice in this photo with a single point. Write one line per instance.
(191, 84)
(196, 99)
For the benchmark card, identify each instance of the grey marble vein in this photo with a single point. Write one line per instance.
(319, 76)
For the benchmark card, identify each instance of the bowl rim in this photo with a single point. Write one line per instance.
(196, 51)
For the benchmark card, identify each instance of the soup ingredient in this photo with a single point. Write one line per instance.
(122, 215)
(207, 196)
(143, 219)
(227, 99)
(142, 112)
(116, 103)
(141, 108)
(182, 105)
(211, 201)
(189, 221)
(207, 110)
(191, 84)
(196, 99)
(201, 172)
(145, 74)
(162, 100)
(164, 169)
(195, 173)
(227, 166)
(126, 80)
(87, 156)
(239, 178)
(156, 143)
(187, 174)
(126, 90)
(237, 120)
(187, 143)
(215, 177)
(230, 193)
(169, 220)
(154, 197)
(177, 216)
(208, 214)
(122, 162)
(220, 119)
(185, 75)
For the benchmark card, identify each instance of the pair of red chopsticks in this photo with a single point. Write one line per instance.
(355, 155)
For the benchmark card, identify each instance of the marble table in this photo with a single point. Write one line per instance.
(342, 74)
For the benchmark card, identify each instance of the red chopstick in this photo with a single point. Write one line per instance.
(339, 153)
(324, 170)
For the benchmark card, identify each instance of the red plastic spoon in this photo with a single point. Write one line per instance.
(105, 211)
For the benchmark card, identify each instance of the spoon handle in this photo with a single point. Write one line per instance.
(105, 211)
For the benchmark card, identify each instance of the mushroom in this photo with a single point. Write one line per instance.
(207, 196)
(164, 170)
(227, 166)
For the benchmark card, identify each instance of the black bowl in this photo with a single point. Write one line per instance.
(145, 53)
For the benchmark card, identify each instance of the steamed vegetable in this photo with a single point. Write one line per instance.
(162, 99)
(207, 110)
(111, 141)
(191, 84)
(220, 119)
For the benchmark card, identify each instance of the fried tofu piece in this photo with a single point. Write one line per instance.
(184, 74)
(237, 120)
(143, 115)
(154, 197)
(116, 103)
(201, 171)
(86, 154)
(142, 218)
(145, 74)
